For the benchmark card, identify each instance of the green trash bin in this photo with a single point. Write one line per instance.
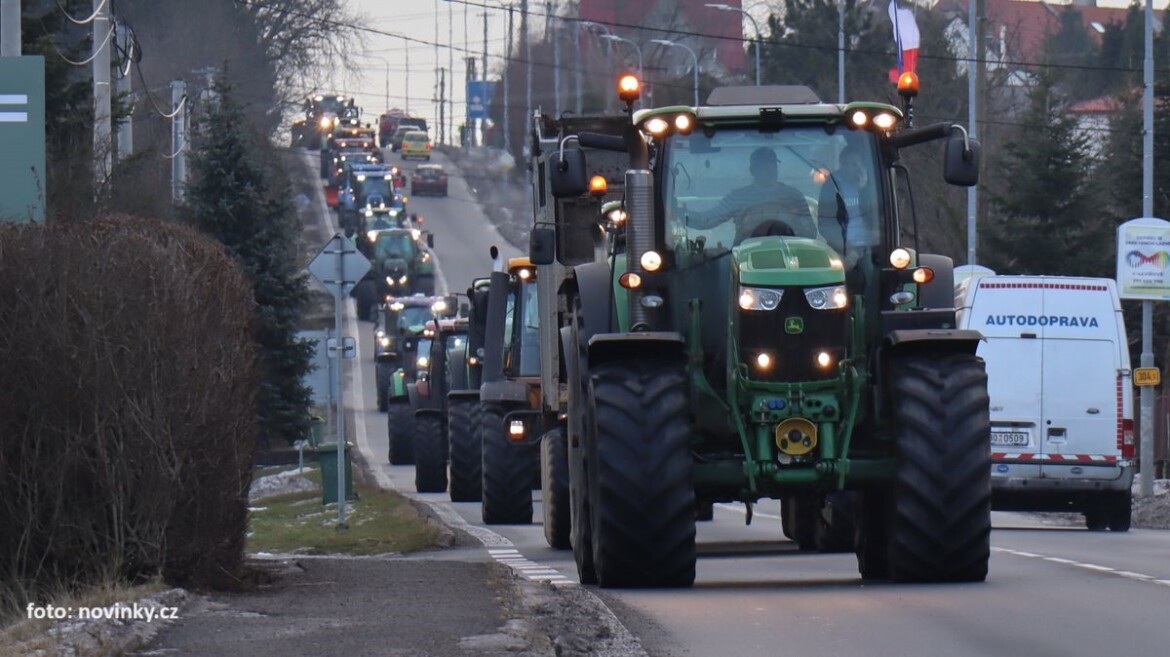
(327, 458)
(316, 430)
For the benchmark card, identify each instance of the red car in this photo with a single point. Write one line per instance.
(428, 179)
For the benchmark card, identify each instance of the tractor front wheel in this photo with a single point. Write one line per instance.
(507, 471)
(641, 495)
(430, 454)
(554, 488)
(400, 431)
(940, 529)
(466, 451)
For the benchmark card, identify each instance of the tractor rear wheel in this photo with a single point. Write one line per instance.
(466, 452)
(400, 431)
(940, 530)
(554, 488)
(507, 471)
(642, 499)
(834, 529)
(430, 454)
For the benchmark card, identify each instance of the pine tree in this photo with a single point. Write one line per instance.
(1048, 217)
(235, 197)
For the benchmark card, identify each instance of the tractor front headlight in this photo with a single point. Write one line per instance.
(827, 298)
(759, 298)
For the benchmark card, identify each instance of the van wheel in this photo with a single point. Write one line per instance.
(1120, 510)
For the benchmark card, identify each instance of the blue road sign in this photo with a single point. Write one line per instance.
(479, 97)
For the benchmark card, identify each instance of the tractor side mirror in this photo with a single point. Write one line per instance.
(567, 175)
(542, 244)
(961, 160)
(431, 240)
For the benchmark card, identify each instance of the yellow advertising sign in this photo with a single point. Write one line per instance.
(1147, 376)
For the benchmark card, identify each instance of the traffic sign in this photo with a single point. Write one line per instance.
(339, 265)
(1147, 376)
(347, 347)
(22, 131)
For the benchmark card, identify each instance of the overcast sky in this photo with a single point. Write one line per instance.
(458, 23)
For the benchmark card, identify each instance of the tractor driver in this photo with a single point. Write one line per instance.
(766, 202)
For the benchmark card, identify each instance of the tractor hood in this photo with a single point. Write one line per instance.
(787, 261)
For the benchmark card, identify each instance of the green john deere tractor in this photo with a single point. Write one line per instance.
(762, 329)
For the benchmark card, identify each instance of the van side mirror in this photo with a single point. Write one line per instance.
(542, 244)
(567, 175)
(961, 161)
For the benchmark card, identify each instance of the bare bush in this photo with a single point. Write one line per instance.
(128, 420)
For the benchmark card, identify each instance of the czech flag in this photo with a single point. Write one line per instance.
(905, 36)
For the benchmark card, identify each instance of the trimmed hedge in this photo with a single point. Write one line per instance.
(128, 413)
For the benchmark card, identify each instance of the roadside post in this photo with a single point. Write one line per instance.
(1143, 272)
(339, 266)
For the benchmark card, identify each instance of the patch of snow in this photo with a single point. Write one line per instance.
(281, 483)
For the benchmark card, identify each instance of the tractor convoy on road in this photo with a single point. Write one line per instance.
(720, 304)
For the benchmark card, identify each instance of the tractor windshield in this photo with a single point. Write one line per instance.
(395, 245)
(413, 318)
(374, 185)
(723, 187)
(522, 326)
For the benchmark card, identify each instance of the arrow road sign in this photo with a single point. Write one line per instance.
(339, 265)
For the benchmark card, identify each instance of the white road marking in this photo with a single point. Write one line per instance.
(1137, 577)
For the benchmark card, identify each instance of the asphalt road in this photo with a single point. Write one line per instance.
(1052, 590)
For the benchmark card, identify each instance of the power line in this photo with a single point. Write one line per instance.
(96, 12)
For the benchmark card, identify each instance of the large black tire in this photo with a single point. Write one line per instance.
(430, 453)
(463, 418)
(579, 424)
(834, 530)
(870, 514)
(400, 423)
(799, 519)
(366, 297)
(940, 530)
(1119, 510)
(507, 471)
(382, 373)
(554, 488)
(641, 494)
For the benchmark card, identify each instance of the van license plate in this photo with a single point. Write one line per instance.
(1009, 438)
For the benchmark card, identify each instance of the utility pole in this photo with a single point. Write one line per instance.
(451, 68)
(103, 145)
(468, 127)
(123, 87)
(408, 80)
(527, 75)
(975, 53)
(10, 28)
(556, 39)
(578, 68)
(178, 140)
(1146, 399)
(442, 105)
(482, 128)
(507, 76)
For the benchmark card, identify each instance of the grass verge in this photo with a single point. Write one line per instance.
(297, 523)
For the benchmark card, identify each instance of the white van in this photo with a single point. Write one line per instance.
(1061, 393)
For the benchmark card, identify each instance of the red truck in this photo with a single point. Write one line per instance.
(389, 121)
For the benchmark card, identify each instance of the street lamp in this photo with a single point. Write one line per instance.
(694, 58)
(614, 37)
(723, 7)
(387, 63)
